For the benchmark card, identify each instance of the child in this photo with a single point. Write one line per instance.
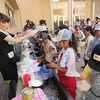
(66, 61)
(79, 36)
(44, 29)
(94, 41)
(89, 33)
(92, 71)
(48, 46)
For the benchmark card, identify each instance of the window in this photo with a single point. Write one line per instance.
(76, 11)
(57, 11)
(10, 13)
(82, 10)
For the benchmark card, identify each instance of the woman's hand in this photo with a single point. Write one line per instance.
(30, 32)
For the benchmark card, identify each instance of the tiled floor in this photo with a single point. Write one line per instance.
(79, 69)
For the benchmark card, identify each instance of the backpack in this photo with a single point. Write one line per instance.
(95, 84)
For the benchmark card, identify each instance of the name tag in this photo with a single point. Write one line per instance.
(11, 54)
(96, 57)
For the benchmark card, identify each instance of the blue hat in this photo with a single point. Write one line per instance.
(77, 25)
(64, 34)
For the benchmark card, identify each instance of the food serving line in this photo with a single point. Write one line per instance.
(51, 87)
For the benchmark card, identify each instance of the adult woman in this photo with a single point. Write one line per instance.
(8, 65)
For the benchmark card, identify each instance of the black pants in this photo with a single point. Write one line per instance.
(12, 89)
(85, 61)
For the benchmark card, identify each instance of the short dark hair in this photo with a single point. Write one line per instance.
(27, 21)
(63, 27)
(89, 28)
(42, 21)
(4, 18)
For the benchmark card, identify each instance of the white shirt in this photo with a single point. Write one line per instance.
(80, 35)
(68, 60)
(89, 38)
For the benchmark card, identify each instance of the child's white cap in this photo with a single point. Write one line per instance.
(97, 27)
(64, 34)
(98, 16)
(44, 28)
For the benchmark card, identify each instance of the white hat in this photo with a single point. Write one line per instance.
(63, 34)
(97, 27)
(44, 28)
(98, 16)
(41, 28)
(54, 39)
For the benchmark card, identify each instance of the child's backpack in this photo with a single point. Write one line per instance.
(95, 83)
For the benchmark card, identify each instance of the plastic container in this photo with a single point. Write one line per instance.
(26, 79)
(27, 94)
(83, 85)
(26, 60)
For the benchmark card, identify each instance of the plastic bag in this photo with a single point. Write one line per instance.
(44, 71)
(83, 85)
(39, 94)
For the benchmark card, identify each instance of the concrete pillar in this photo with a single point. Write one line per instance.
(52, 23)
(88, 8)
(93, 14)
(70, 12)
